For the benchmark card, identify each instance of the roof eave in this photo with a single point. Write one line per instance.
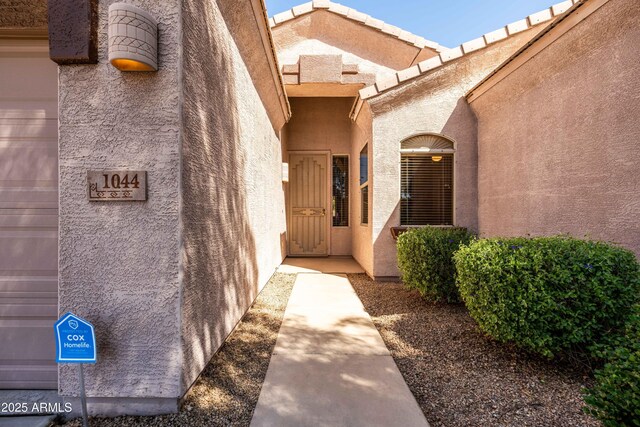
(405, 76)
(354, 15)
(543, 39)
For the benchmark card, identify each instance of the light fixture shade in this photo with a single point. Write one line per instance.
(133, 38)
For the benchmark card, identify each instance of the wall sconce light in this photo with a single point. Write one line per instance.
(436, 158)
(133, 38)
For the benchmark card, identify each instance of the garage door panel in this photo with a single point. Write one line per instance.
(27, 221)
(28, 162)
(28, 128)
(17, 198)
(28, 77)
(42, 285)
(28, 215)
(28, 250)
(19, 108)
(35, 377)
(30, 307)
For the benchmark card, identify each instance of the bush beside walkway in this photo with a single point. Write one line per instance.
(425, 258)
(548, 294)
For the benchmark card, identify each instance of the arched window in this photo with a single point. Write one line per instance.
(426, 180)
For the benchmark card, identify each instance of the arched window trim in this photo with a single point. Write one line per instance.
(427, 150)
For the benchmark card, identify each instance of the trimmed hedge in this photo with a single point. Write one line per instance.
(548, 294)
(615, 398)
(425, 259)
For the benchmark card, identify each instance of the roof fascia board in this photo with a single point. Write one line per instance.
(262, 19)
(453, 54)
(359, 17)
(578, 13)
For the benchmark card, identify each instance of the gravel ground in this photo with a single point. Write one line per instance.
(227, 391)
(460, 377)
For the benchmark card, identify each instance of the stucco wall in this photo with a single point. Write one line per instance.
(323, 124)
(232, 201)
(23, 13)
(166, 280)
(432, 103)
(558, 137)
(291, 55)
(118, 262)
(248, 25)
(323, 32)
(362, 243)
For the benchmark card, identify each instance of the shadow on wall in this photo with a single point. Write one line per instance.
(462, 126)
(219, 248)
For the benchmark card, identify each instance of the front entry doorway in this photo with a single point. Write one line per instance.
(309, 204)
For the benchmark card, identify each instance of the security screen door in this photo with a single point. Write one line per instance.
(308, 204)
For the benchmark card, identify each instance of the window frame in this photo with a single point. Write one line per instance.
(364, 184)
(349, 193)
(430, 152)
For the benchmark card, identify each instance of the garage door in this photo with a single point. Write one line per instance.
(28, 215)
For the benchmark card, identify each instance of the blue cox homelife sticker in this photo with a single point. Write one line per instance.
(75, 340)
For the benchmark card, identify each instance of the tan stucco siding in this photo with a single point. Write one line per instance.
(322, 124)
(291, 55)
(233, 201)
(432, 103)
(118, 262)
(558, 137)
(247, 25)
(362, 243)
(324, 32)
(23, 14)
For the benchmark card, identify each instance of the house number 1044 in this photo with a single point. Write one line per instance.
(117, 186)
(117, 182)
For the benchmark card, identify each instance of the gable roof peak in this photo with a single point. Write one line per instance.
(354, 15)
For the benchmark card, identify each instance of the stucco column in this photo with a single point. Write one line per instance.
(119, 261)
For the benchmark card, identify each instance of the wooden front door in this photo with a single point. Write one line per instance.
(308, 204)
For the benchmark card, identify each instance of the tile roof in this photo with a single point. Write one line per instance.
(471, 93)
(446, 56)
(354, 15)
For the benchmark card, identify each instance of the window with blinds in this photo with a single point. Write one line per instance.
(426, 180)
(364, 197)
(426, 189)
(340, 200)
(364, 185)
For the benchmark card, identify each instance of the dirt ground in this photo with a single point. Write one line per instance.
(461, 378)
(227, 392)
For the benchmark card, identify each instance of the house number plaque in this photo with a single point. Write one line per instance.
(117, 186)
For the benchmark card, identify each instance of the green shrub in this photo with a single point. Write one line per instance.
(615, 398)
(548, 294)
(425, 259)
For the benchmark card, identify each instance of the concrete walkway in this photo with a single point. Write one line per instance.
(330, 366)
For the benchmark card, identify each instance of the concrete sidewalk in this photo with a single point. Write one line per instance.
(330, 366)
